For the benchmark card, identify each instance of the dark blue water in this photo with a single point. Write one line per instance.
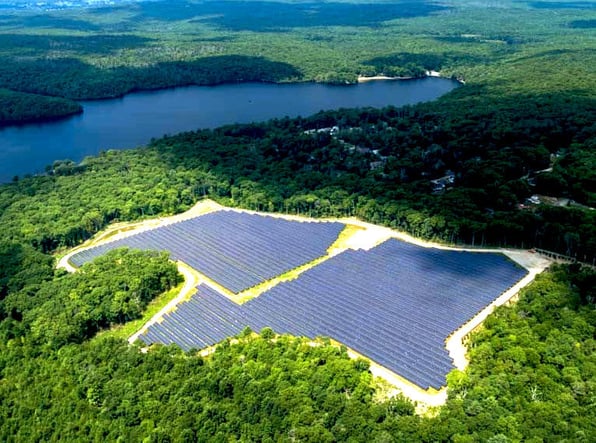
(133, 120)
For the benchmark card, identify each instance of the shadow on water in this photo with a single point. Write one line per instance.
(264, 16)
(583, 24)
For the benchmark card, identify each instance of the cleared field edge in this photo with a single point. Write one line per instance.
(192, 277)
(534, 264)
(424, 398)
(119, 231)
(341, 244)
(366, 237)
(191, 280)
(123, 230)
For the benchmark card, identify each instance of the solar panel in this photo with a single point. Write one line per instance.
(236, 249)
(395, 304)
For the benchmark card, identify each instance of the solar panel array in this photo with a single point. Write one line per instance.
(204, 320)
(236, 249)
(395, 304)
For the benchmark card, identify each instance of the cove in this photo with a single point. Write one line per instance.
(136, 118)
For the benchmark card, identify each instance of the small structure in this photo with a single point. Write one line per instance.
(333, 130)
(440, 184)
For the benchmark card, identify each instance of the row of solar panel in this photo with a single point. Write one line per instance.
(168, 238)
(189, 328)
(396, 304)
(365, 330)
(237, 250)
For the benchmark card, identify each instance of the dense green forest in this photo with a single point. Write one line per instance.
(527, 106)
(19, 107)
(531, 378)
(378, 165)
(507, 46)
(458, 170)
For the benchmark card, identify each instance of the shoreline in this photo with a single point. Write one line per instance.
(364, 79)
(378, 77)
(49, 118)
(83, 100)
(18, 169)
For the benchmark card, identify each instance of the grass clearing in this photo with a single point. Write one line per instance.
(340, 244)
(126, 330)
(255, 291)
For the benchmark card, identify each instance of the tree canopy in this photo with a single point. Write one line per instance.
(507, 160)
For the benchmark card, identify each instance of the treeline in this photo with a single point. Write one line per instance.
(528, 106)
(70, 308)
(58, 382)
(531, 374)
(254, 390)
(45, 89)
(489, 158)
(74, 79)
(16, 107)
(108, 52)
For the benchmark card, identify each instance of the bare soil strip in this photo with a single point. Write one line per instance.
(191, 280)
(118, 231)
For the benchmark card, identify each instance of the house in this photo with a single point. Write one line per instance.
(440, 184)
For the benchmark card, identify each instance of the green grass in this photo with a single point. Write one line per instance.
(126, 330)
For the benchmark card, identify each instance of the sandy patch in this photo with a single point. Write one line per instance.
(363, 79)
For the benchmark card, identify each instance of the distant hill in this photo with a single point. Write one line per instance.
(58, 4)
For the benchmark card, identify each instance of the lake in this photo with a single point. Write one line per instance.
(135, 119)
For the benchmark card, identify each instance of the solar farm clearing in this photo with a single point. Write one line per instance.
(391, 301)
(237, 250)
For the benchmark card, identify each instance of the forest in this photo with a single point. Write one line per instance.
(90, 53)
(531, 376)
(379, 166)
(464, 169)
(18, 107)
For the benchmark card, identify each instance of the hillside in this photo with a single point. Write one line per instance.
(508, 48)
(506, 160)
